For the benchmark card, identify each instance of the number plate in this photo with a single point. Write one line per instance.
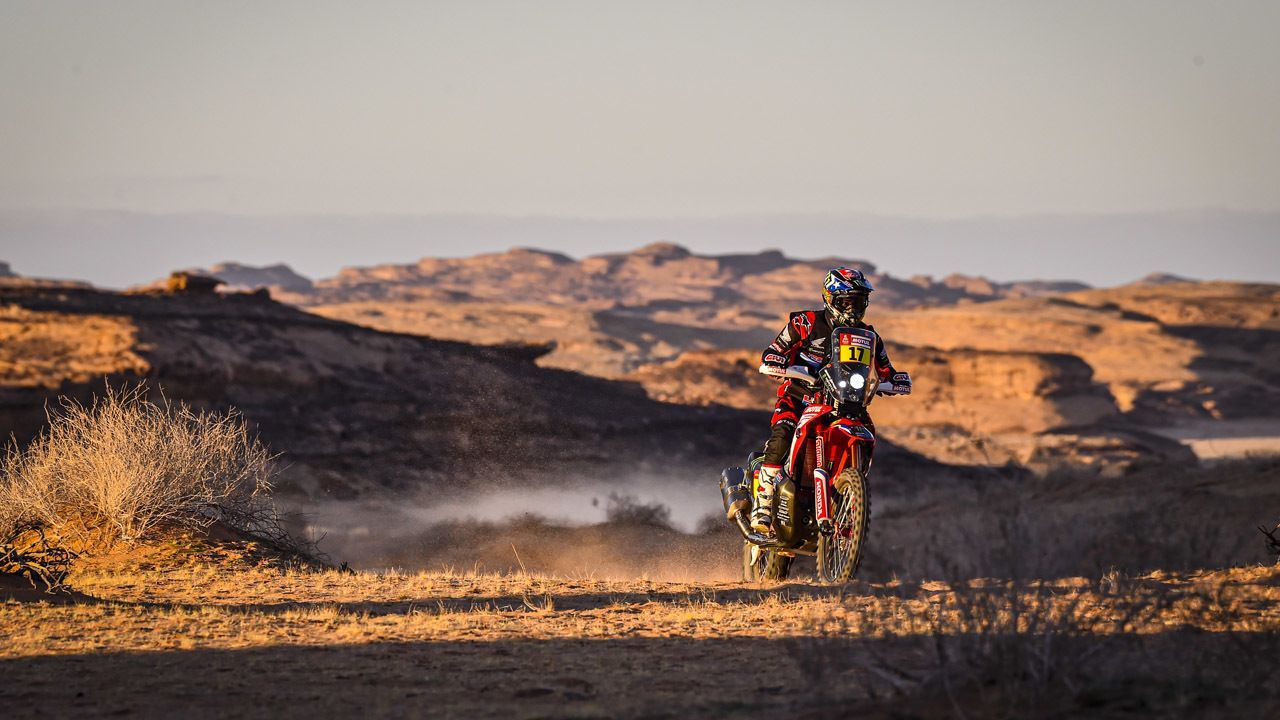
(855, 349)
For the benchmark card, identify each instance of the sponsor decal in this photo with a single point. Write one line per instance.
(772, 359)
(857, 431)
(813, 411)
(820, 495)
(855, 340)
(802, 322)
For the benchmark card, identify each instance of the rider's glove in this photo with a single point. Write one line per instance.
(774, 366)
(901, 383)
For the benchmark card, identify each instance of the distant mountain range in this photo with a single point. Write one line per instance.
(657, 272)
(116, 248)
(1041, 372)
(606, 314)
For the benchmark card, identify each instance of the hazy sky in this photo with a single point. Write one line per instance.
(639, 110)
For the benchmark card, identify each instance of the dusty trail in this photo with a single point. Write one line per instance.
(158, 637)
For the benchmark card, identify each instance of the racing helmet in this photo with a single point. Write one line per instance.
(846, 293)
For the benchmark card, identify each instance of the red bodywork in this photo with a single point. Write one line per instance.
(823, 446)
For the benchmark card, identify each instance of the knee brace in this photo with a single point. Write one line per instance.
(775, 448)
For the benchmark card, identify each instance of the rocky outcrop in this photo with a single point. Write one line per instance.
(608, 314)
(353, 409)
(982, 391)
(1188, 303)
(1205, 350)
(969, 407)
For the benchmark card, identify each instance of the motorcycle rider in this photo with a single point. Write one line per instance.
(845, 294)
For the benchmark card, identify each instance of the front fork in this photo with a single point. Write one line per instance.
(822, 487)
(822, 480)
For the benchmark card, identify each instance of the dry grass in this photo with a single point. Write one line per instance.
(999, 648)
(129, 465)
(397, 606)
(1002, 649)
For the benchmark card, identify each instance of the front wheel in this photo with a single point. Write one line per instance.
(840, 552)
(759, 564)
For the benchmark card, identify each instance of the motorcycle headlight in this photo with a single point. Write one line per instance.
(856, 381)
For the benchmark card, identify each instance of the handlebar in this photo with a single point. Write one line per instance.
(802, 374)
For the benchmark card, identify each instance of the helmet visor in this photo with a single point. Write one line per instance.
(850, 303)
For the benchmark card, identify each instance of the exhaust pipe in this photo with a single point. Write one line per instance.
(735, 492)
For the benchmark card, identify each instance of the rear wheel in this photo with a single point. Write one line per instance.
(840, 553)
(759, 564)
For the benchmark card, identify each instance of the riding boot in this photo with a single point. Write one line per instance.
(766, 482)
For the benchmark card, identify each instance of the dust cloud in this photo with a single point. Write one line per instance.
(666, 529)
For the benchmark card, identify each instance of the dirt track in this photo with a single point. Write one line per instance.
(208, 640)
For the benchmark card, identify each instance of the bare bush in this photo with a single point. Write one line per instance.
(1273, 542)
(27, 551)
(11, 514)
(125, 464)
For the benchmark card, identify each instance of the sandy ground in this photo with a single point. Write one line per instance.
(209, 640)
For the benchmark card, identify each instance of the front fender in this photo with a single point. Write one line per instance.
(842, 437)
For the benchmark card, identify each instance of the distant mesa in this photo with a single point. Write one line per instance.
(538, 256)
(1160, 278)
(1040, 288)
(238, 276)
(982, 287)
(662, 251)
(11, 279)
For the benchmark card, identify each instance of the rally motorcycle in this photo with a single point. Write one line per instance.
(821, 503)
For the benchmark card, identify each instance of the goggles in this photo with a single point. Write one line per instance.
(854, 303)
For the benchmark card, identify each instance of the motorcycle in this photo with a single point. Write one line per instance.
(822, 505)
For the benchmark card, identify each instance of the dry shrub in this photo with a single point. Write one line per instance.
(11, 514)
(27, 551)
(1273, 540)
(125, 465)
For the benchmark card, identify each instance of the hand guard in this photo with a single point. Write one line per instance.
(901, 383)
(777, 372)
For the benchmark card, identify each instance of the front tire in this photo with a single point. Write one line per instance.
(766, 565)
(840, 553)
